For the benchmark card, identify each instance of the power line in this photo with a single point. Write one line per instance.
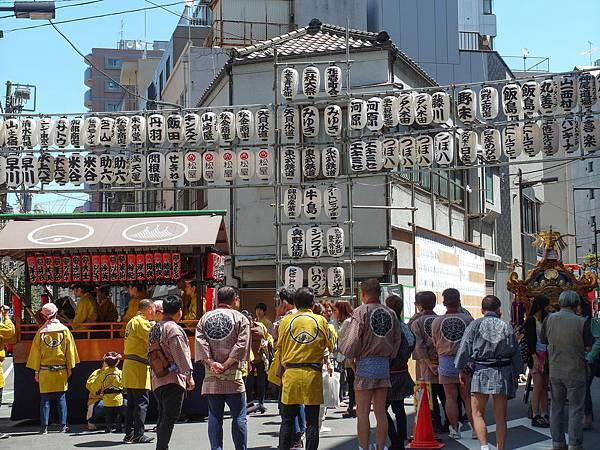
(61, 7)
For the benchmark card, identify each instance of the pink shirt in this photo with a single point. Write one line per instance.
(175, 345)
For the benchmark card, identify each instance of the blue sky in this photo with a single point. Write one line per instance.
(41, 57)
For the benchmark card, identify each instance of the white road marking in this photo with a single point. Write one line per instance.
(8, 371)
(473, 444)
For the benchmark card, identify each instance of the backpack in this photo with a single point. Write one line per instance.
(156, 356)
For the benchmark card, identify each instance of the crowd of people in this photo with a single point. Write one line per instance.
(366, 350)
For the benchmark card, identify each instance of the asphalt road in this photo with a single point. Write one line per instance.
(264, 431)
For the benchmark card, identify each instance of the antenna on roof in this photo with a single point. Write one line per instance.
(589, 52)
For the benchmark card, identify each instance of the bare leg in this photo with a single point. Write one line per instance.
(379, 408)
(479, 404)
(539, 399)
(465, 394)
(451, 392)
(363, 409)
(500, 418)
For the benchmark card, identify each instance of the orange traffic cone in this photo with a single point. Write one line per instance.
(423, 436)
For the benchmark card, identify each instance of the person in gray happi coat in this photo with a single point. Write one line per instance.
(489, 355)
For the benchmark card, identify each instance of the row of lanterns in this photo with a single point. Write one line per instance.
(312, 241)
(311, 82)
(320, 280)
(310, 201)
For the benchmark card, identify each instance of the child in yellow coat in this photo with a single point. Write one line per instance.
(108, 383)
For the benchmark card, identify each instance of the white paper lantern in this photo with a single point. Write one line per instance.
(549, 136)
(295, 242)
(444, 148)
(106, 163)
(91, 169)
(293, 277)
(567, 93)
(311, 162)
(290, 124)
(488, 103)
(330, 162)
(333, 120)
(210, 166)
(246, 164)
(374, 114)
(407, 148)
(13, 171)
(12, 133)
(290, 163)
(192, 167)
(317, 280)
(121, 171)
(590, 134)
(208, 127)
(289, 83)
(228, 165)
(62, 130)
(2, 163)
(91, 127)
(548, 96)
(491, 143)
(406, 108)
(357, 114)
(390, 108)
(137, 168)
(292, 202)
(332, 202)
(173, 167)
(77, 132)
(467, 147)
(391, 153)
(191, 129)
(336, 281)
(423, 109)
(314, 242)
(358, 157)
(122, 135)
(29, 135)
(512, 100)
(466, 106)
(174, 129)
(244, 124)
(311, 81)
(155, 166)
(29, 170)
(1, 132)
(226, 126)
(511, 140)
(440, 104)
(264, 164)
(530, 91)
(61, 169)
(335, 242)
(312, 200)
(568, 134)
(156, 130)
(137, 130)
(310, 121)
(107, 131)
(586, 90)
(373, 156)
(263, 124)
(531, 138)
(76, 166)
(46, 168)
(424, 146)
(45, 129)
(333, 81)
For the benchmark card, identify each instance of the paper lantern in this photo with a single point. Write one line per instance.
(444, 148)
(491, 144)
(358, 157)
(264, 164)
(330, 162)
(226, 126)
(228, 165)
(137, 129)
(333, 120)
(295, 242)
(310, 121)
(215, 266)
(335, 242)
(174, 129)
(76, 164)
(548, 96)
(121, 171)
(45, 129)
(29, 135)
(314, 242)
(1, 132)
(155, 167)
(466, 106)
(263, 124)
(333, 81)
(62, 129)
(29, 170)
(374, 114)
(407, 147)
(245, 164)
(46, 168)
(568, 134)
(317, 280)
(106, 163)
(76, 268)
(332, 202)
(290, 163)
(312, 202)
(512, 100)
(336, 281)
(156, 129)
(12, 133)
(311, 162)
(131, 264)
(57, 267)
(530, 92)
(49, 269)
(373, 156)
(531, 138)
(137, 168)
(140, 266)
(158, 265)
(292, 202)
(511, 140)
(424, 146)
(208, 127)
(114, 267)
(66, 269)
(2, 169)
(549, 136)
(244, 124)
(290, 124)
(357, 114)
(121, 138)
(13, 172)
(440, 105)
(107, 130)
(61, 169)
(586, 90)
(311, 81)
(567, 93)
(488, 102)
(390, 108)
(176, 261)
(391, 154)
(423, 109)
(173, 167)
(105, 268)
(91, 127)
(467, 147)
(91, 169)
(192, 167)
(406, 108)
(191, 129)
(293, 277)
(289, 83)
(590, 133)
(210, 166)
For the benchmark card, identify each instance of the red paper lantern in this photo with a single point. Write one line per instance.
(76, 268)
(150, 266)
(17, 305)
(209, 299)
(131, 272)
(158, 266)
(39, 270)
(105, 268)
(113, 267)
(122, 269)
(31, 269)
(140, 267)
(66, 269)
(86, 268)
(167, 266)
(57, 266)
(176, 258)
(96, 269)
(215, 266)
(48, 269)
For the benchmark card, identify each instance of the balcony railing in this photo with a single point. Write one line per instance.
(470, 40)
(238, 33)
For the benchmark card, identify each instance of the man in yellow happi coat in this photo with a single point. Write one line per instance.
(137, 292)
(87, 307)
(52, 356)
(303, 338)
(190, 290)
(136, 372)
(7, 333)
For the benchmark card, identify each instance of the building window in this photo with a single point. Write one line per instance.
(113, 63)
(168, 69)
(592, 195)
(590, 166)
(111, 86)
(487, 7)
(489, 185)
(112, 106)
(531, 215)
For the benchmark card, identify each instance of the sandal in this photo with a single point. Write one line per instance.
(539, 422)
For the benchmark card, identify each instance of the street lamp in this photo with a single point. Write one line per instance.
(32, 10)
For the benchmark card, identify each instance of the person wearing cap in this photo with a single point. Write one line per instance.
(137, 292)
(52, 356)
(87, 307)
(136, 372)
(108, 383)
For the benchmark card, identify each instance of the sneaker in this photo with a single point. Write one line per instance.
(324, 429)
(142, 440)
(128, 438)
(4, 435)
(452, 433)
(64, 429)
(44, 430)
(539, 422)
(297, 445)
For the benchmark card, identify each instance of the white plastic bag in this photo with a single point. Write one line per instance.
(331, 389)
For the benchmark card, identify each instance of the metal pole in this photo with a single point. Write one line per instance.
(595, 245)
(276, 150)
(521, 230)
(575, 226)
